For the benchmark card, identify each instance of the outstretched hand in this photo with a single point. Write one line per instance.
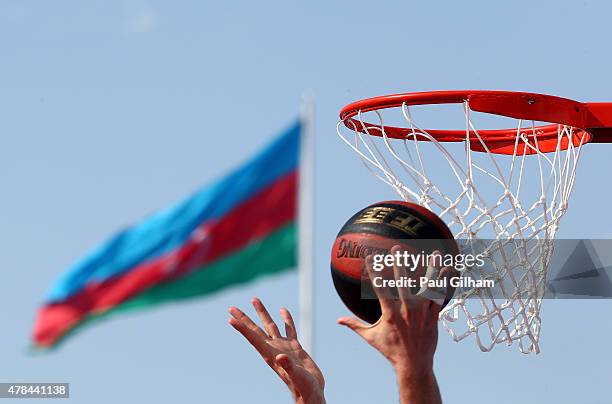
(284, 355)
(406, 334)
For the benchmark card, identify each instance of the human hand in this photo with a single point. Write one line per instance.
(284, 355)
(406, 334)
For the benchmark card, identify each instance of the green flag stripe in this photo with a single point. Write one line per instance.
(275, 253)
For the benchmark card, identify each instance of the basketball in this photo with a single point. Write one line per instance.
(375, 230)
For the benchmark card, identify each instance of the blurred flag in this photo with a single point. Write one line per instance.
(240, 227)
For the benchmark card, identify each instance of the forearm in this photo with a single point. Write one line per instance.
(418, 388)
(314, 399)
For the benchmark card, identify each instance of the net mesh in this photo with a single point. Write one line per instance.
(513, 200)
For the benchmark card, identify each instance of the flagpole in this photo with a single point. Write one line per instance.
(306, 224)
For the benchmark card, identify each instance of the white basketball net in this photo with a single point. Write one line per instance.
(516, 200)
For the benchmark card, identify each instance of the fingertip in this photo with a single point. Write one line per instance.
(257, 304)
(234, 311)
(395, 248)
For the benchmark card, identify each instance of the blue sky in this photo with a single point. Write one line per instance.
(109, 111)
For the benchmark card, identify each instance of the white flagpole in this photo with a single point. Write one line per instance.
(305, 224)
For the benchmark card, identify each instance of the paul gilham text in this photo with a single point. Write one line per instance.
(423, 281)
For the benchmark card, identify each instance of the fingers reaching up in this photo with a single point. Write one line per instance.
(284, 355)
(290, 330)
(269, 324)
(245, 326)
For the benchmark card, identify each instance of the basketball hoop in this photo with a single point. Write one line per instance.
(508, 185)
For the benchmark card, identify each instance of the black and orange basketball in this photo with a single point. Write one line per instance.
(375, 230)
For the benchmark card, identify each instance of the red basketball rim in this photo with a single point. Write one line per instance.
(592, 121)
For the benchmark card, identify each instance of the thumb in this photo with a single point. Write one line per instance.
(354, 324)
(296, 374)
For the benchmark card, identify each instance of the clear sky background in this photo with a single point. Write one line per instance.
(111, 110)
